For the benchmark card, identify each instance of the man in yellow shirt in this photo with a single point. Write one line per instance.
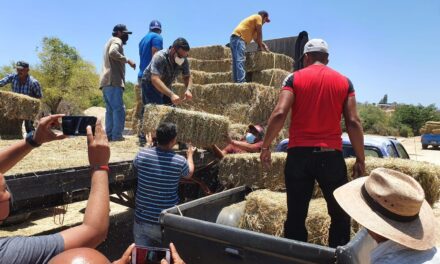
(249, 29)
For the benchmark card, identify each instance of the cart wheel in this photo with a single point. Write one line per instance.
(424, 146)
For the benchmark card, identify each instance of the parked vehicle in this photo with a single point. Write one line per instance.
(195, 227)
(430, 139)
(375, 146)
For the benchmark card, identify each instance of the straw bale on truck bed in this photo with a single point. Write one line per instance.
(224, 65)
(201, 129)
(136, 115)
(246, 169)
(258, 61)
(67, 153)
(201, 77)
(266, 212)
(18, 106)
(216, 52)
(10, 128)
(427, 174)
(271, 77)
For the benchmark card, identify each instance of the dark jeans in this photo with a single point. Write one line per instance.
(304, 165)
(29, 125)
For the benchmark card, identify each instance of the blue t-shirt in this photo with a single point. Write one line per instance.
(151, 40)
(158, 175)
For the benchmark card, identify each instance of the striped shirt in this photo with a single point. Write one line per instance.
(158, 173)
(31, 87)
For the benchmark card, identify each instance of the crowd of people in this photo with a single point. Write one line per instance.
(389, 204)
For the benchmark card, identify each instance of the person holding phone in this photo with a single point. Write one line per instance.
(93, 230)
(112, 81)
(158, 171)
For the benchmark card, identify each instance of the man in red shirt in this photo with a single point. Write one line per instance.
(317, 96)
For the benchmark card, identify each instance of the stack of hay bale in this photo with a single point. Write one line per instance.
(262, 206)
(14, 108)
(431, 127)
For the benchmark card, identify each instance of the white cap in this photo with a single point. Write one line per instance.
(316, 45)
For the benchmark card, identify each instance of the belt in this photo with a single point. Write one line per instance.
(316, 149)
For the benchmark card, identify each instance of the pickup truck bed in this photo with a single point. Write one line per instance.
(201, 240)
(430, 139)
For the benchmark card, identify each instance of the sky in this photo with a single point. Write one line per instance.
(385, 47)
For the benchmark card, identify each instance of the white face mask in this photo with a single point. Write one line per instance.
(179, 61)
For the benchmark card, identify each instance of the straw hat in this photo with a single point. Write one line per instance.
(390, 204)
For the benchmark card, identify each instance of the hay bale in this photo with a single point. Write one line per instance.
(10, 128)
(129, 114)
(18, 106)
(436, 131)
(264, 104)
(224, 65)
(200, 77)
(201, 129)
(266, 212)
(427, 174)
(136, 114)
(258, 61)
(272, 77)
(216, 52)
(246, 169)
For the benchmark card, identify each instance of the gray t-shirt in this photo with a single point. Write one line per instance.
(164, 66)
(37, 249)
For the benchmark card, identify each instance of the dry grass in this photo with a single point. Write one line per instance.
(223, 65)
(266, 212)
(272, 77)
(18, 106)
(216, 52)
(246, 169)
(258, 61)
(69, 152)
(201, 129)
(201, 77)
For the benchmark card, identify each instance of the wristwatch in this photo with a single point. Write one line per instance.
(30, 140)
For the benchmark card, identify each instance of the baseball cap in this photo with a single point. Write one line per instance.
(316, 45)
(264, 13)
(181, 43)
(21, 65)
(155, 24)
(121, 27)
(258, 128)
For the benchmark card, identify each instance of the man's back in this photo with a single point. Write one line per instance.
(248, 27)
(152, 39)
(320, 93)
(158, 172)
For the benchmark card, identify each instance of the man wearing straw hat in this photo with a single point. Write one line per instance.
(392, 207)
(317, 97)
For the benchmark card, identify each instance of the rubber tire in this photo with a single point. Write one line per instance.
(424, 146)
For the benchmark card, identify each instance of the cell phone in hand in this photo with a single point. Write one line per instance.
(150, 255)
(76, 125)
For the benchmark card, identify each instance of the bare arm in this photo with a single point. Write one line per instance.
(153, 51)
(190, 154)
(94, 228)
(276, 123)
(187, 80)
(251, 148)
(163, 89)
(16, 152)
(218, 152)
(355, 133)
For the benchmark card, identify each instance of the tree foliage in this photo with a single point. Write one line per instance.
(414, 117)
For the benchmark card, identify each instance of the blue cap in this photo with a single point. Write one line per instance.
(155, 24)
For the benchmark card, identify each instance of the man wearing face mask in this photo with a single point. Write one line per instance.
(112, 82)
(251, 143)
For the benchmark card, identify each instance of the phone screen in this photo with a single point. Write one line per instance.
(149, 255)
(76, 125)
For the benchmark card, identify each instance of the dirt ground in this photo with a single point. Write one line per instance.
(414, 148)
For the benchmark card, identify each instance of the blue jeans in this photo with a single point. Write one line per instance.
(238, 48)
(146, 234)
(114, 112)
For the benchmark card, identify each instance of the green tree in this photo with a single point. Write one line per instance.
(414, 116)
(384, 100)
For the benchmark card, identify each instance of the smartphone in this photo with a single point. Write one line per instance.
(76, 125)
(150, 255)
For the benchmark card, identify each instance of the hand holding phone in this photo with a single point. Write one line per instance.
(77, 125)
(150, 255)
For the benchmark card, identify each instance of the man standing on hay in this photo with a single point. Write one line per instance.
(317, 96)
(158, 171)
(253, 140)
(160, 74)
(249, 29)
(392, 207)
(112, 82)
(23, 83)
